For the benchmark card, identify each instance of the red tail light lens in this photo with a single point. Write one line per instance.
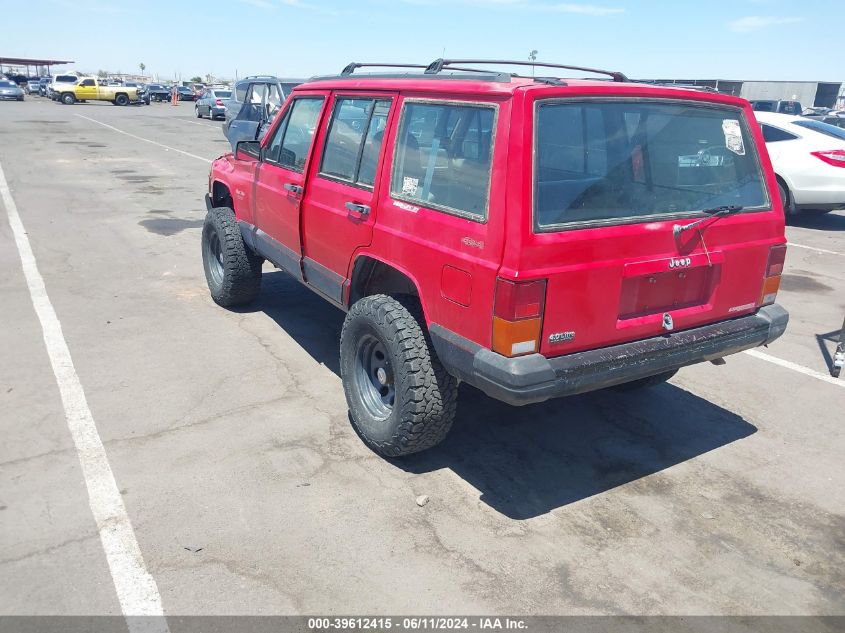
(777, 256)
(219, 102)
(835, 157)
(517, 300)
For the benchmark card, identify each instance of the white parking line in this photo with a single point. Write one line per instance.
(795, 367)
(136, 588)
(141, 138)
(818, 250)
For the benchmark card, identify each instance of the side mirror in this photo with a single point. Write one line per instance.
(248, 150)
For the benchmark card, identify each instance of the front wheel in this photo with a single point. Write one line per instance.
(401, 399)
(121, 100)
(197, 112)
(68, 98)
(232, 270)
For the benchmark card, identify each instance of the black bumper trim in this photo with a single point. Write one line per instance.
(535, 378)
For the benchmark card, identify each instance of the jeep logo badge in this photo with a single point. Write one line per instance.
(683, 262)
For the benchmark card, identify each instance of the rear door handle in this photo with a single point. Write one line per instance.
(361, 210)
(293, 188)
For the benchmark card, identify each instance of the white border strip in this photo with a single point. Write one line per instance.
(795, 367)
(136, 588)
(141, 138)
(813, 248)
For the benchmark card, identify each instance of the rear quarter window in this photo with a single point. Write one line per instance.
(443, 156)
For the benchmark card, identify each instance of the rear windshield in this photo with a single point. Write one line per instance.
(222, 94)
(823, 128)
(624, 161)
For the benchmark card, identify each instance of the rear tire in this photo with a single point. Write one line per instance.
(232, 270)
(401, 399)
(786, 200)
(645, 383)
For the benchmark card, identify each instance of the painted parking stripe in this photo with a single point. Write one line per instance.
(818, 250)
(136, 589)
(141, 138)
(796, 367)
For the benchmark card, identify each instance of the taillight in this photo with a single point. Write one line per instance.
(219, 102)
(774, 268)
(518, 316)
(835, 157)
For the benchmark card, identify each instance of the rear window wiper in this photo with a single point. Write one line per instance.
(713, 214)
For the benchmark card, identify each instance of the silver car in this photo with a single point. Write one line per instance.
(212, 103)
(10, 91)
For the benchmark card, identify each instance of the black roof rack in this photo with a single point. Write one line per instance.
(439, 65)
(351, 68)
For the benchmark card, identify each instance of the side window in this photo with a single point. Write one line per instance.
(774, 134)
(87, 82)
(354, 140)
(256, 94)
(444, 157)
(290, 144)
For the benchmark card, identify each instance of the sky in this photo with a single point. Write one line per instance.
(685, 39)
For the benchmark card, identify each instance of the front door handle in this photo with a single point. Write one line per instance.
(293, 188)
(361, 210)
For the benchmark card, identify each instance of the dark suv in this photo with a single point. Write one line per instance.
(254, 102)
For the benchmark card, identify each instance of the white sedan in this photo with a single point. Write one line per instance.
(809, 160)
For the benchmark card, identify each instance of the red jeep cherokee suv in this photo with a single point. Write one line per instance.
(535, 237)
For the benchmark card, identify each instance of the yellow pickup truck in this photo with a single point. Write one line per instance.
(91, 89)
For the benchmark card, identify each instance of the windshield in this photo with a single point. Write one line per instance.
(7, 84)
(624, 161)
(822, 128)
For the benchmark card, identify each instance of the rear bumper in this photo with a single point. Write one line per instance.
(535, 378)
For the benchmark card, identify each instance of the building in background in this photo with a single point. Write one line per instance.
(822, 94)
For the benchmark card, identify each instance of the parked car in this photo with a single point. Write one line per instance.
(31, 86)
(808, 157)
(254, 102)
(535, 238)
(10, 91)
(43, 84)
(157, 92)
(783, 107)
(59, 81)
(212, 103)
(185, 93)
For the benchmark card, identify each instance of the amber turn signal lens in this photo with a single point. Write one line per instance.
(771, 285)
(515, 338)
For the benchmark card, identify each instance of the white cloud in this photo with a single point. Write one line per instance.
(757, 22)
(525, 5)
(583, 9)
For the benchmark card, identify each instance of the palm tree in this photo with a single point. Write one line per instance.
(143, 67)
(532, 56)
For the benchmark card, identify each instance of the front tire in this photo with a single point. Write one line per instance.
(121, 100)
(68, 98)
(232, 270)
(401, 399)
